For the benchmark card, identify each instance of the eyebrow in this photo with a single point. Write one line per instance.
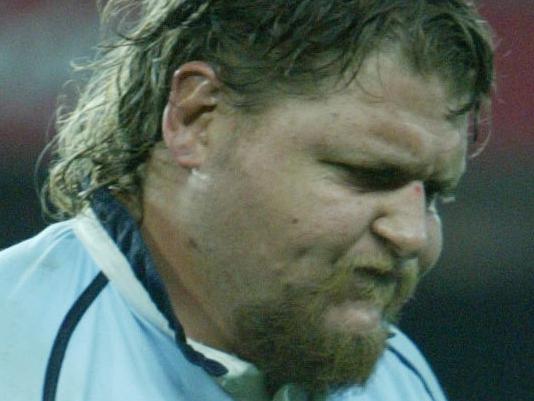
(403, 136)
(398, 160)
(398, 150)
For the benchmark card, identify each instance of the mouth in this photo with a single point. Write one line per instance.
(376, 285)
(382, 276)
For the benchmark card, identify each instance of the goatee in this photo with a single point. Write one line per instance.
(292, 340)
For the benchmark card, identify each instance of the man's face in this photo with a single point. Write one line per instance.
(312, 228)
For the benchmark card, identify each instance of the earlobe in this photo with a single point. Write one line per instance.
(193, 96)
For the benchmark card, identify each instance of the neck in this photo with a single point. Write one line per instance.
(173, 257)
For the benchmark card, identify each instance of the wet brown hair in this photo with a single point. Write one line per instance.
(256, 47)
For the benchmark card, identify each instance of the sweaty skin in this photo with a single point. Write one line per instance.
(296, 235)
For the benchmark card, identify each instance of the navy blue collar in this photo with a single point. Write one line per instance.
(124, 231)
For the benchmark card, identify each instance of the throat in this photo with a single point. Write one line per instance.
(189, 294)
(191, 310)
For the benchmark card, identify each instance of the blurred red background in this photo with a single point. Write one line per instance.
(472, 316)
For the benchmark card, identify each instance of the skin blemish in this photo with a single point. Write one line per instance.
(192, 243)
(294, 221)
(418, 190)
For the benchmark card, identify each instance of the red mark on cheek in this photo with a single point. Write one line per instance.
(418, 190)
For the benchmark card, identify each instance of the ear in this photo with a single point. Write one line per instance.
(194, 95)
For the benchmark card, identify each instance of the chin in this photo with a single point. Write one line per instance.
(292, 344)
(323, 336)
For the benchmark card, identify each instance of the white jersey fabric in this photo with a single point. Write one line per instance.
(84, 316)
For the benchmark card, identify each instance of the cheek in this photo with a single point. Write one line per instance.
(431, 253)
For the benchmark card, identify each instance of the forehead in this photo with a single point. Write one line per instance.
(387, 114)
(385, 78)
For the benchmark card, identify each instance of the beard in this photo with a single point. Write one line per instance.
(297, 337)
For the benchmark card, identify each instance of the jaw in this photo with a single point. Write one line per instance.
(315, 345)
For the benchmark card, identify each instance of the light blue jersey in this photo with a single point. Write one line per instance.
(84, 316)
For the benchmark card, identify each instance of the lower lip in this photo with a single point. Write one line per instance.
(354, 316)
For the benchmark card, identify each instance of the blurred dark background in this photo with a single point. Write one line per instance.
(472, 317)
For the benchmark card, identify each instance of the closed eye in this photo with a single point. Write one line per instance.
(366, 179)
(371, 179)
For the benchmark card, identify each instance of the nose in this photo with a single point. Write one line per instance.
(401, 220)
